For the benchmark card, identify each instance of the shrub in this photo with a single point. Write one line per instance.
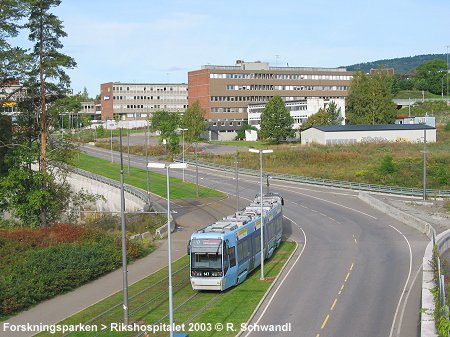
(37, 264)
(387, 165)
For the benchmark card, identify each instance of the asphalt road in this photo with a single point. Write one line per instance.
(356, 272)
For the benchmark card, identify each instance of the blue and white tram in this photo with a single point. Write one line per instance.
(224, 253)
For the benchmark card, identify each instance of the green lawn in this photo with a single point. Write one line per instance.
(148, 302)
(138, 178)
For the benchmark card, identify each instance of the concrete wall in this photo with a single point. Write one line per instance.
(110, 193)
(313, 135)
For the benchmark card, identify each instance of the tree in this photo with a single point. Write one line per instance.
(241, 132)
(48, 76)
(166, 123)
(369, 100)
(331, 115)
(5, 141)
(194, 122)
(276, 121)
(13, 60)
(428, 76)
(63, 106)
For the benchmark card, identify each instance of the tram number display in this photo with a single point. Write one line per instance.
(206, 242)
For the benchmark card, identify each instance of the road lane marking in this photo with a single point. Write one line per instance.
(351, 267)
(284, 278)
(334, 303)
(325, 321)
(346, 278)
(407, 280)
(406, 298)
(331, 202)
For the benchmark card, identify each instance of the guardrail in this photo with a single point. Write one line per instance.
(327, 182)
(138, 193)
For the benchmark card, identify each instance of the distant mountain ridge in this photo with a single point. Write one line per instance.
(401, 65)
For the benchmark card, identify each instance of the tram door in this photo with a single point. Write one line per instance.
(252, 249)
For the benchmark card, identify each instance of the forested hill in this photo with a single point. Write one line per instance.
(401, 65)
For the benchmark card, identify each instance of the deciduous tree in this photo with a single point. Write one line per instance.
(194, 121)
(370, 99)
(276, 121)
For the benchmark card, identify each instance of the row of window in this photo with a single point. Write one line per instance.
(235, 110)
(287, 87)
(283, 76)
(223, 123)
(169, 98)
(157, 89)
(155, 106)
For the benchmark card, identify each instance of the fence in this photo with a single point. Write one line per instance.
(398, 190)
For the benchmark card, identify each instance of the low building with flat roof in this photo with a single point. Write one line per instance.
(349, 134)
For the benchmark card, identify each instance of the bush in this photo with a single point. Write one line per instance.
(38, 264)
(387, 165)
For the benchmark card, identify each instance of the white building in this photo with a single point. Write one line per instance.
(300, 109)
(349, 134)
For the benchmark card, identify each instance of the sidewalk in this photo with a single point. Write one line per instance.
(191, 215)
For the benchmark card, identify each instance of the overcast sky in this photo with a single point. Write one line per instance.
(160, 41)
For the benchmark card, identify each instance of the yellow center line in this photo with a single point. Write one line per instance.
(325, 322)
(351, 267)
(334, 303)
(342, 287)
(318, 335)
(346, 278)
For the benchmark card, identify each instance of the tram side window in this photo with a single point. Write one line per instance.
(242, 250)
(231, 252)
(257, 243)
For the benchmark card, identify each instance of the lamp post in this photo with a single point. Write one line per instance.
(182, 131)
(124, 240)
(447, 69)
(168, 167)
(261, 152)
(425, 164)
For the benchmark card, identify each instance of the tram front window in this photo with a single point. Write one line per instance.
(206, 264)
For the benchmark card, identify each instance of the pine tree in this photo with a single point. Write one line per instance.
(48, 75)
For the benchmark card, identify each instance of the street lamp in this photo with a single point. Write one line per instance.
(261, 152)
(168, 167)
(182, 131)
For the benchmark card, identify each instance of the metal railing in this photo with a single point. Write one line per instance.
(410, 191)
(138, 193)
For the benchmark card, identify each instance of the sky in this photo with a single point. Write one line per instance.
(160, 41)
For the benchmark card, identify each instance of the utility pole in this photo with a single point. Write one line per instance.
(196, 169)
(124, 240)
(147, 132)
(236, 176)
(425, 164)
(128, 144)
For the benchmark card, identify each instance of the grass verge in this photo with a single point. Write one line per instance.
(149, 304)
(138, 178)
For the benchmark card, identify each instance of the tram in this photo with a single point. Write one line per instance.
(224, 253)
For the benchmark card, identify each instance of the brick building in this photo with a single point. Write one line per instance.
(225, 92)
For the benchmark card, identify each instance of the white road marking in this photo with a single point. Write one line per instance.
(407, 280)
(284, 278)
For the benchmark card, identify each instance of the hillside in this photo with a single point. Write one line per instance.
(401, 65)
